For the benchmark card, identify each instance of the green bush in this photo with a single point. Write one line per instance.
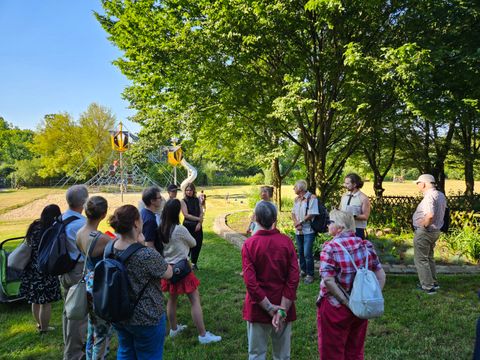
(464, 242)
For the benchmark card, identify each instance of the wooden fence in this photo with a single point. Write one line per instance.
(396, 212)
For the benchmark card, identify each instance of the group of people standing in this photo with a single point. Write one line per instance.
(271, 271)
(149, 270)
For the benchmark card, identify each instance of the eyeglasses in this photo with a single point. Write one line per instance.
(330, 222)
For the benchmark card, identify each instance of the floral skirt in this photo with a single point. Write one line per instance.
(187, 285)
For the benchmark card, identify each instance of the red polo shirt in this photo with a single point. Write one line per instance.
(270, 268)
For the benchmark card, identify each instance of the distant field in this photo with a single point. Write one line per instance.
(19, 208)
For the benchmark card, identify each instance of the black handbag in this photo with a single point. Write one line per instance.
(180, 270)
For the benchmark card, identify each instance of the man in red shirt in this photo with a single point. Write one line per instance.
(271, 276)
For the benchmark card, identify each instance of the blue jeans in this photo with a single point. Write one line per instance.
(305, 252)
(141, 342)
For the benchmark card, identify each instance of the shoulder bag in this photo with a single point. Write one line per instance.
(76, 304)
(20, 257)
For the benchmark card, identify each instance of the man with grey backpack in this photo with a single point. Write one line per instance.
(347, 264)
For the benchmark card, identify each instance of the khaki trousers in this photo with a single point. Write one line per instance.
(424, 244)
(74, 331)
(258, 334)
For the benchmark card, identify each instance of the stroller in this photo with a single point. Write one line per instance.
(9, 278)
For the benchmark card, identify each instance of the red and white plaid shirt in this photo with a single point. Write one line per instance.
(334, 262)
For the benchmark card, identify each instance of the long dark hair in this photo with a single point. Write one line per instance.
(170, 218)
(48, 216)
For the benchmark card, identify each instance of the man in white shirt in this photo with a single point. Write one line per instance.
(356, 203)
(427, 222)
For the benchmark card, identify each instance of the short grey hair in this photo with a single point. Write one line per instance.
(342, 219)
(265, 214)
(77, 196)
(301, 185)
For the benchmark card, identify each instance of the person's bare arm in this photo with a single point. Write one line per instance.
(169, 273)
(188, 216)
(381, 277)
(335, 290)
(365, 209)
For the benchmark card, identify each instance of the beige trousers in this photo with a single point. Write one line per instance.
(258, 334)
(424, 244)
(74, 331)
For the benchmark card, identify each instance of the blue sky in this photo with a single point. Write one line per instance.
(55, 57)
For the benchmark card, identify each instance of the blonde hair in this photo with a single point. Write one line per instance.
(342, 219)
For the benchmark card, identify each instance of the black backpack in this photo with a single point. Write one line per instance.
(53, 255)
(319, 222)
(113, 298)
(446, 221)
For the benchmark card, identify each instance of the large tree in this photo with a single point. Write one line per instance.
(275, 66)
(95, 124)
(434, 75)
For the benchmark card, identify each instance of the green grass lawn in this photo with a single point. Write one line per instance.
(415, 325)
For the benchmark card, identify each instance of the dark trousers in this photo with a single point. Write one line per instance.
(198, 236)
(360, 233)
(476, 352)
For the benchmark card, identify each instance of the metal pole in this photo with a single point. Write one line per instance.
(121, 176)
(174, 175)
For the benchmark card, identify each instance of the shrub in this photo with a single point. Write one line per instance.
(464, 242)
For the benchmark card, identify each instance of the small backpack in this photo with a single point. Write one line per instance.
(446, 221)
(113, 300)
(319, 222)
(53, 255)
(366, 299)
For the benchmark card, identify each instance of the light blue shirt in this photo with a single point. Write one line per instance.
(71, 231)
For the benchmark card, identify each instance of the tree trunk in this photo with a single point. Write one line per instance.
(277, 182)
(469, 176)
(378, 185)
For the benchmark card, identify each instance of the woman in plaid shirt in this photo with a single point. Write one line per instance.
(341, 335)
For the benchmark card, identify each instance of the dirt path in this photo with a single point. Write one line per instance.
(34, 209)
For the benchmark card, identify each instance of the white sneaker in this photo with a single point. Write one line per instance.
(209, 338)
(179, 329)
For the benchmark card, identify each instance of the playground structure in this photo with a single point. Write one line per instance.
(119, 174)
(175, 158)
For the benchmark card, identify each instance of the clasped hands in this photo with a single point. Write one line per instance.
(279, 316)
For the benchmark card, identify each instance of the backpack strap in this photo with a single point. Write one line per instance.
(351, 258)
(96, 235)
(124, 257)
(69, 219)
(129, 251)
(308, 203)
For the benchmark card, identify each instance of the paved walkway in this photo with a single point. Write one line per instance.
(221, 228)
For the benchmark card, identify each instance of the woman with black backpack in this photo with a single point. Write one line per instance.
(40, 289)
(141, 336)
